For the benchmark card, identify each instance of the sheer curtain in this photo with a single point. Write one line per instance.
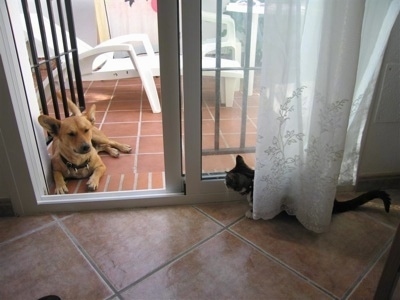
(316, 59)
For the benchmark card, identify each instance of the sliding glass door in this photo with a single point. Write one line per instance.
(221, 88)
(191, 143)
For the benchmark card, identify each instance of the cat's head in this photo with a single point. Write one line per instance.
(242, 168)
(240, 178)
(238, 182)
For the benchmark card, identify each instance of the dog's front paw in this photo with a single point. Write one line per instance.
(125, 148)
(59, 190)
(249, 214)
(92, 184)
(113, 152)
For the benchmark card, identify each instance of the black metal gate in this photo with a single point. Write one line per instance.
(58, 60)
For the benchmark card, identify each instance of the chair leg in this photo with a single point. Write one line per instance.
(229, 88)
(151, 90)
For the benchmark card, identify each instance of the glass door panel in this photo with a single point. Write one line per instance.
(230, 91)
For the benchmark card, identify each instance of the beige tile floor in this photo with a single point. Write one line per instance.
(207, 251)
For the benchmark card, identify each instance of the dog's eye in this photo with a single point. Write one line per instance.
(86, 130)
(72, 134)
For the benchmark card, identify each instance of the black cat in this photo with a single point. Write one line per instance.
(241, 177)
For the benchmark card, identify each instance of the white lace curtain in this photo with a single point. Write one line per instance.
(321, 60)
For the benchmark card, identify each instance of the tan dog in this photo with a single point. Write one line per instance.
(76, 143)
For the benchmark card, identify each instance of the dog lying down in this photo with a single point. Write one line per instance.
(76, 143)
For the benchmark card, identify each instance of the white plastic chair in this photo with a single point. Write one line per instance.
(228, 39)
(99, 63)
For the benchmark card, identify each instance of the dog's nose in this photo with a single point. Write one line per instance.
(85, 148)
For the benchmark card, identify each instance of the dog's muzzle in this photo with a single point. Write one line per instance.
(84, 148)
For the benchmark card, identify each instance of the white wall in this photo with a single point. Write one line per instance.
(84, 18)
(381, 152)
(85, 21)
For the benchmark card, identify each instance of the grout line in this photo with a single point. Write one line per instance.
(149, 180)
(283, 264)
(87, 257)
(173, 260)
(121, 182)
(378, 220)
(107, 183)
(163, 179)
(28, 233)
(135, 181)
(214, 219)
(108, 106)
(78, 186)
(368, 269)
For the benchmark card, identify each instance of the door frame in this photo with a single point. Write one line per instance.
(23, 160)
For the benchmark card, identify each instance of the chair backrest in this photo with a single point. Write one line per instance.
(209, 21)
(82, 46)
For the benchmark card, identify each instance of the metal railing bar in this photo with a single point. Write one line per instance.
(34, 56)
(246, 74)
(46, 51)
(233, 69)
(218, 30)
(66, 50)
(57, 59)
(75, 56)
(228, 150)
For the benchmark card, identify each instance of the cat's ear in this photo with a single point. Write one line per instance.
(239, 160)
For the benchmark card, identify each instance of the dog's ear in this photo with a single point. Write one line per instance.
(51, 125)
(73, 108)
(90, 115)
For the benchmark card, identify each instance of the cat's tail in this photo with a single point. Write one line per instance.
(342, 206)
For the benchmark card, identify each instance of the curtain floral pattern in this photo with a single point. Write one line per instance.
(311, 53)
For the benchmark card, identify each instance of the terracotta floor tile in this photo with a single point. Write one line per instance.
(230, 113)
(334, 260)
(14, 227)
(147, 115)
(125, 105)
(125, 163)
(233, 140)
(103, 83)
(223, 268)
(158, 180)
(146, 103)
(128, 181)
(94, 95)
(122, 117)
(206, 114)
(151, 128)
(218, 163)
(208, 142)
(234, 126)
(142, 181)
(46, 262)
(113, 130)
(226, 213)
(101, 107)
(113, 183)
(127, 245)
(208, 127)
(150, 163)
(151, 144)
